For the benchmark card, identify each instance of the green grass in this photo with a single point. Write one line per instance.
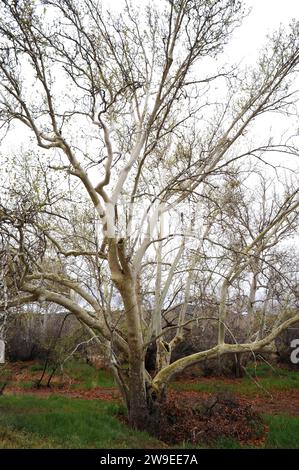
(11, 438)
(59, 422)
(227, 443)
(38, 366)
(27, 384)
(283, 432)
(88, 376)
(256, 381)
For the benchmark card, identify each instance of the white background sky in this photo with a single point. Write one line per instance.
(265, 17)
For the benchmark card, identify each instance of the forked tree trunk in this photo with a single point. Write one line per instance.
(125, 282)
(146, 415)
(144, 405)
(137, 396)
(137, 400)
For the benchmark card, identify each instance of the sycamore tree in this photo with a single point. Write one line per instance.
(127, 119)
(246, 283)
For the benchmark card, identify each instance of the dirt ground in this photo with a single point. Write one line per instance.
(281, 401)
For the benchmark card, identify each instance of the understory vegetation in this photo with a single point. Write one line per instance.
(31, 419)
(58, 422)
(259, 380)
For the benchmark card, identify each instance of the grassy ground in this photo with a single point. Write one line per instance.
(59, 422)
(283, 434)
(258, 380)
(63, 422)
(74, 374)
(88, 377)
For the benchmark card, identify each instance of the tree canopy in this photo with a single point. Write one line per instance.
(145, 181)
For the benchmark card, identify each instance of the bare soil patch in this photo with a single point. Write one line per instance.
(280, 401)
(276, 402)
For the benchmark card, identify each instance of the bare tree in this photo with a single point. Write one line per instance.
(125, 106)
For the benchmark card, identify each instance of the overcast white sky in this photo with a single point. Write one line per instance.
(266, 16)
